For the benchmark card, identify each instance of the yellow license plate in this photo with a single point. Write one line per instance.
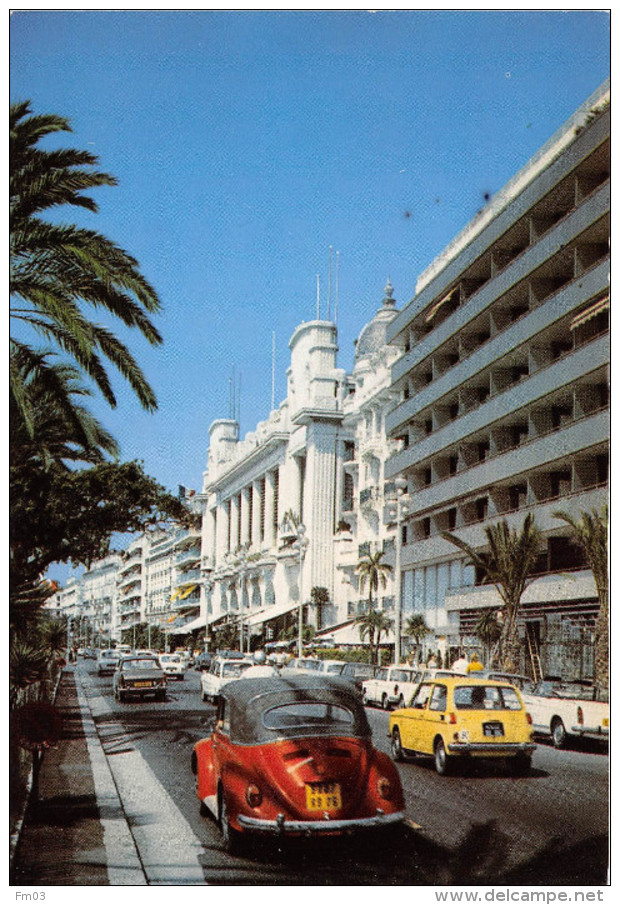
(143, 685)
(323, 796)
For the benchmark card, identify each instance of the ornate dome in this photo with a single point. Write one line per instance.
(373, 335)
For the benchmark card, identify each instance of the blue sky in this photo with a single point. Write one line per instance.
(246, 143)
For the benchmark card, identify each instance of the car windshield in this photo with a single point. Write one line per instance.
(140, 663)
(170, 658)
(309, 715)
(333, 668)
(234, 668)
(486, 697)
(360, 670)
(401, 675)
(308, 664)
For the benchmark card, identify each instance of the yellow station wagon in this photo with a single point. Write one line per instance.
(456, 718)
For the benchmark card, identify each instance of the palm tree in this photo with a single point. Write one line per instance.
(489, 631)
(63, 430)
(372, 624)
(56, 268)
(590, 532)
(374, 572)
(416, 628)
(507, 563)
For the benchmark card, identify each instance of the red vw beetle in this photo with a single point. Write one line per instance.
(293, 756)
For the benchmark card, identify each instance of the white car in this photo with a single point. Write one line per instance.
(107, 661)
(173, 665)
(391, 686)
(331, 667)
(568, 709)
(221, 671)
(302, 666)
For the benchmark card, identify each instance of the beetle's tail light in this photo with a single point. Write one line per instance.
(528, 717)
(384, 788)
(452, 719)
(253, 795)
(580, 715)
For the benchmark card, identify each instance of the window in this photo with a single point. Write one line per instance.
(486, 697)
(420, 698)
(438, 698)
(308, 714)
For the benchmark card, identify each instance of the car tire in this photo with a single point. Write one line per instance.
(230, 836)
(396, 748)
(443, 763)
(401, 702)
(385, 704)
(558, 733)
(365, 700)
(120, 697)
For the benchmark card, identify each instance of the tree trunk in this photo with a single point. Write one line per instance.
(601, 644)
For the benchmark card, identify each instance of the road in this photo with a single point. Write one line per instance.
(476, 827)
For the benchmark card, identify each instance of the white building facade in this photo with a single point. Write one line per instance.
(502, 393)
(299, 467)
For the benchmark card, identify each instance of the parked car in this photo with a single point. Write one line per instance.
(294, 757)
(124, 650)
(107, 662)
(564, 709)
(391, 686)
(202, 661)
(357, 673)
(137, 677)
(173, 665)
(89, 654)
(459, 717)
(302, 665)
(331, 667)
(523, 683)
(222, 670)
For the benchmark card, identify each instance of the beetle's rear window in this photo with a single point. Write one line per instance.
(308, 715)
(486, 697)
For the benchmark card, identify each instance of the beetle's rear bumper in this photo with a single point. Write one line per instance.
(284, 827)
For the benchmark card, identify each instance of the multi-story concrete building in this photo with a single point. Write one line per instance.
(502, 388)
(315, 462)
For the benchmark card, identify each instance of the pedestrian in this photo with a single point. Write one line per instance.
(460, 664)
(474, 664)
(432, 662)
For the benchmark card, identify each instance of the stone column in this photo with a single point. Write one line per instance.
(270, 538)
(245, 515)
(221, 531)
(256, 513)
(234, 522)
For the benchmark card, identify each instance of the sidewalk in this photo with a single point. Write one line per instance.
(65, 838)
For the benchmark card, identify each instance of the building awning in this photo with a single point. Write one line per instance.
(349, 634)
(590, 312)
(190, 626)
(183, 592)
(271, 612)
(435, 308)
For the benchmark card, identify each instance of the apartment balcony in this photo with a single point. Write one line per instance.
(187, 559)
(527, 329)
(516, 398)
(434, 547)
(552, 588)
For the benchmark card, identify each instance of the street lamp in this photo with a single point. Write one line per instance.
(398, 508)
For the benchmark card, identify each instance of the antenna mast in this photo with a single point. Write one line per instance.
(329, 285)
(273, 370)
(336, 298)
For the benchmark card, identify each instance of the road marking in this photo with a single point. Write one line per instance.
(167, 846)
(123, 863)
(414, 826)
